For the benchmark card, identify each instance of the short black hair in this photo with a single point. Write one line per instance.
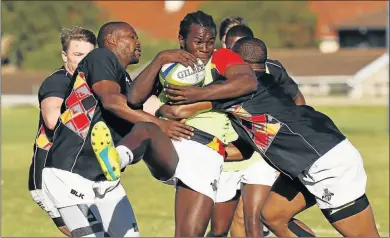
(106, 29)
(196, 18)
(227, 23)
(239, 30)
(251, 50)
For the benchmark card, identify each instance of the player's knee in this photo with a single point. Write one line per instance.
(273, 220)
(214, 233)
(347, 210)
(145, 127)
(65, 231)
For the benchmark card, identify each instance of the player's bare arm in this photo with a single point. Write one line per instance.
(144, 83)
(51, 110)
(240, 80)
(112, 100)
(177, 112)
(299, 99)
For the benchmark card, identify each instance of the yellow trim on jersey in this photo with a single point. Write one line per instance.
(42, 141)
(66, 116)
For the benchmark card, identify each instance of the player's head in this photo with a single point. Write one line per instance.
(197, 35)
(253, 51)
(122, 39)
(76, 43)
(237, 32)
(226, 24)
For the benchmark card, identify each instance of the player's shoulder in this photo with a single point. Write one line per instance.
(100, 54)
(224, 55)
(57, 76)
(274, 63)
(223, 52)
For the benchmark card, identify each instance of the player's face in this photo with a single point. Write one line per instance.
(223, 41)
(76, 51)
(200, 42)
(231, 40)
(129, 45)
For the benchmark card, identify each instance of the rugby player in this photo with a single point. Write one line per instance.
(200, 156)
(254, 176)
(76, 43)
(226, 24)
(89, 197)
(317, 162)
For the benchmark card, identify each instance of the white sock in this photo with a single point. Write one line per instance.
(125, 155)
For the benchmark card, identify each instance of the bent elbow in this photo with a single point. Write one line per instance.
(251, 85)
(51, 125)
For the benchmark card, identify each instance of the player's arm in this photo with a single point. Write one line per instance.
(103, 76)
(143, 84)
(52, 93)
(177, 112)
(289, 84)
(240, 80)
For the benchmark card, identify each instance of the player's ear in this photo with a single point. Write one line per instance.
(111, 39)
(181, 41)
(64, 56)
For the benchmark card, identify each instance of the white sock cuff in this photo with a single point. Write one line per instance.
(125, 154)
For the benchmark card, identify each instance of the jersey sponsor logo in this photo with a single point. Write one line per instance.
(80, 107)
(77, 194)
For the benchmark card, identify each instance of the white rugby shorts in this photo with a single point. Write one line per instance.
(90, 208)
(337, 178)
(199, 167)
(257, 173)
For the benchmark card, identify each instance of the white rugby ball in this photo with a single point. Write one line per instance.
(178, 74)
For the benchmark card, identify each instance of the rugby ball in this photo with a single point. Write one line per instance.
(178, 74)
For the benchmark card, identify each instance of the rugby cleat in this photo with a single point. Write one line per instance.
(105, 151)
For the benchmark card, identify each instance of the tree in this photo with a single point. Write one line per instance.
(279, 24)
(36, 25)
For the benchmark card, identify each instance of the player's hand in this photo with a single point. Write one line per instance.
(183, 95)
(176, 130)
(179, 56)
(167, 112)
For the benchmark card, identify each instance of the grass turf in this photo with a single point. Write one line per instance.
(366, 128)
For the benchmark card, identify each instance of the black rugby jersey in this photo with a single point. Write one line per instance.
(276, 69)
(56, 85)
(290, 137)
(72, 150)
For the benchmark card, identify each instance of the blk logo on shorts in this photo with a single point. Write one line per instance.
(327, 196)
(77, 194)
(214, 185)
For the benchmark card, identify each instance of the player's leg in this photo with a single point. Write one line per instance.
(338, 180)
(192, 212)
(226, 203)
(81, 221)
(51, 210)
(146, 140)
(115, 210)
(222, 217)
(253, 197)
(257, 181)
(286, 199)
(238, 224)
(197, 177)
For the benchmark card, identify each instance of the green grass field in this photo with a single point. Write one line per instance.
(366, 128)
